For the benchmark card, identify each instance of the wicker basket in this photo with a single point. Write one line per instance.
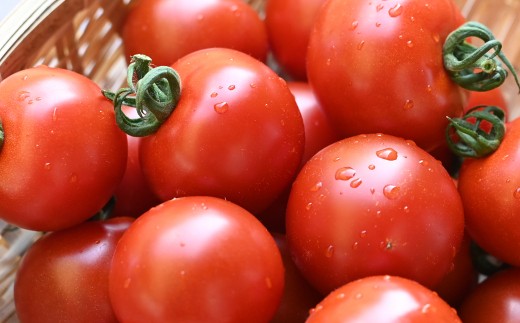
(87, 41)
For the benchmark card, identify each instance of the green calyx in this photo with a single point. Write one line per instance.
(466, 136)
(153, 91)
(476, 68)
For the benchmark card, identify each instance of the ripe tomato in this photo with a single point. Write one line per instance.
(373, 205)
(236, 133)
(289, 24)
(383, 299)
(167, 30)
(490, 191)
(492, 97)
(196, 259)
(494, 300)
(64, 274)
(377, 66)
(63, 154)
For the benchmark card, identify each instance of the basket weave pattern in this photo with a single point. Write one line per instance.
(88, 42)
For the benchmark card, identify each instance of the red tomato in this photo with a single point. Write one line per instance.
(196, 259)
(167, 30)
(372, 205)
(236, 133)
(64, 274)
(63, 154)
(299, 297)
(492, 97)
(490, 191)
(289, 24)
(495, 300)
(377, 66)
(383, 299)
(133, 196)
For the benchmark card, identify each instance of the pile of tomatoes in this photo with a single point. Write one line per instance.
(285, 167)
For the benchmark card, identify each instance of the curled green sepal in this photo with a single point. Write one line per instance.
(153, 91)
(476, 68)
(468, 139)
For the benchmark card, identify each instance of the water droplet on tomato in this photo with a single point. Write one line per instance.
(354, 25)
(214, 94)
(363, 234)
(25, 77)
(436, 37)
(426, 308)
(231, 87)
(516, 193)
(23, 95)
(308, 206)
(340, 296)
(372, 190)
(47, 166)
(355, 245)
(316, 187)
(329, 252)
(371, 166)
(387, 154)
(358, 296)
(221, 107)
(409, 104)
(395, 11)
(380, 7)
(409, 43)
(406, 209)
(360, 45)
(252, 85)
(423, 162)
(391, 191)
(356, 183)
(345, 173)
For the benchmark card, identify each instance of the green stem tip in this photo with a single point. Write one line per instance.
(153, 91)
(476, 68)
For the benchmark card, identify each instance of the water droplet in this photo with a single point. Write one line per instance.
(409, 43)
(408, 104)
(371, 167)
(360, 45)
(363, 234)
(516, 193)
(354, 25)
(25, 77)
(426, 308)
(358, 296)
(423, 162)
(54, 116)
(37, 98)
(355, 245)
(396, 10)
(308, 206)
(340, 296)
(336, 159)
(436, 37)
(252, 85)
(23, 95)
(391, 191)
(221, 107)
(372, 190)
(380, 7)
(317, 187)
(47, 166)
(345, 173)
(214, 94)
(231, 87)
(378, 24)
(429, 88)
(412, 18)
(387, 154)
(356, 183)
(406, 209)
(329, 252)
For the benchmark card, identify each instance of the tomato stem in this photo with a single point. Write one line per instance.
(475, 68)
(153, 91)
(470, 139)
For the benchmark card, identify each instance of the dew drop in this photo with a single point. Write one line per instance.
(372, 190)
(391, 191)
(345, 173)
(221, 107)
(329, 252)
(231, 87)
(423, 162)
(363, 234)
(358, 296)
(409, 43)
(396, 10)
(360, 45)
(54, 116)
(426, 308)
(354, 25)
(308, 206)
(406, 209)
(516, 193)
(380, 7)
(47, 166)
(22, 95)
(409, 104)
(356, 183)
(355, 245)
(214, 94)
(378, 24)
(387, 154)
(436, 37)
(252, 85)
(316, 187)
(25, 77)
(340, 296)
(371, 166)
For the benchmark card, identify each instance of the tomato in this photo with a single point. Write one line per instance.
(492, 97)
(64, 274)
(133, 195)
(490, 191)
(496, 299)
(383, 299)
(236, 133)
(377, 66)
(373, 205)
(289, 24)
(63, 154)
(461, 279)
(298, 297)
(196, 259)
(167, 30)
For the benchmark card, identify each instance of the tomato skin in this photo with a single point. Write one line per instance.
(61, 145)
(236, 133)
(382, 299)
(490, 191)
(196, 259)
(494, 300)
(492, 97)
(371, 205)
(168, 30)
(64, 274)
(378, 67)
(289, 24)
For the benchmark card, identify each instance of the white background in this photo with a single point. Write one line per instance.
(6, 6)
